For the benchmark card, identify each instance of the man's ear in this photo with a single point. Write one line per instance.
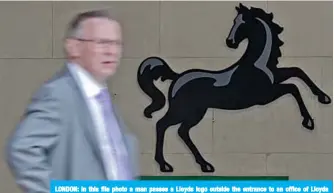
(72, 48)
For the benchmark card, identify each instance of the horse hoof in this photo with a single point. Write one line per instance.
(324, 99)
(166, 167)
(206, 167)
(308, 123)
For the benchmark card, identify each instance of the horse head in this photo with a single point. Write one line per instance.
(242, 27)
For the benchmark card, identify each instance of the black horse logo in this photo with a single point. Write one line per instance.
(254, 79)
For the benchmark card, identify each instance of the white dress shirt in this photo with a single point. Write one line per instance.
(91, 89)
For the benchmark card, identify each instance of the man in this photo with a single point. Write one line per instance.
(71, 130)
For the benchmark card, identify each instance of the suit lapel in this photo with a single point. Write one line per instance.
(118, 117)
(86, 120)
(120, 123)
(129, 140)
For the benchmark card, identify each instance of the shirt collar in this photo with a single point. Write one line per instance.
(90, 86)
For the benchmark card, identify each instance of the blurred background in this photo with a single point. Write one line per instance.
(260, 141)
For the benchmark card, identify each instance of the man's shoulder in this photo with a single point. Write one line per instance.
(58, 86)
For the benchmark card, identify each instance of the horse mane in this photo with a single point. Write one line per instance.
(275, 30)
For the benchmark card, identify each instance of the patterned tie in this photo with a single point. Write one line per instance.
(115, 136)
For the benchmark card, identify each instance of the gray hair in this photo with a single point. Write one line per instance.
(73, 30)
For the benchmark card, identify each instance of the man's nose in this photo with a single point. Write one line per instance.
(111, 50)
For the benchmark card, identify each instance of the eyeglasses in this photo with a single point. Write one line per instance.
(102, 42)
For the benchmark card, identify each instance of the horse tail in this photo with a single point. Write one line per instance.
(151, 69)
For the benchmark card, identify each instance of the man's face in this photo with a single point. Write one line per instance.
(99, 47)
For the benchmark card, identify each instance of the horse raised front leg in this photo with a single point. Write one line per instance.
(283, 89)
(286, 73)
(184, 134)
